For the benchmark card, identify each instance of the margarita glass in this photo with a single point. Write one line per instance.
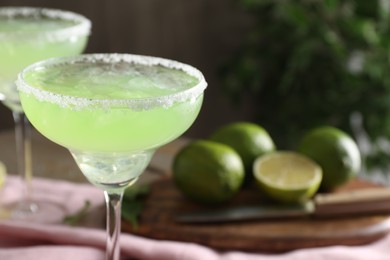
(112, 111)
(28, 35)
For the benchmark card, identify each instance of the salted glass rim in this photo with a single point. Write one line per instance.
(82, 26)
(188, 94)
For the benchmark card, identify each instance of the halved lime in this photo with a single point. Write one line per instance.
(287, 176)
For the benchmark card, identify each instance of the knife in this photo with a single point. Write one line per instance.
(358, 202)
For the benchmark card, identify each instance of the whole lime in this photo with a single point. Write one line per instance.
(335, 151)
(249, 140)
(208, 172)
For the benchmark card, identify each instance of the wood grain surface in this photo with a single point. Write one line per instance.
(164, 202)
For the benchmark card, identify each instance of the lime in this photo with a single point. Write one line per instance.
(3, 174)
(248, 139)
(208, 172)
(287, 176)
(335, 151)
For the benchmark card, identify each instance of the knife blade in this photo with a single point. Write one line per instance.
(359, 202)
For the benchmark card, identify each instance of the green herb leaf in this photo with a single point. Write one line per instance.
(132, 203)
(131, 211)
(75, 218)
(135, 191)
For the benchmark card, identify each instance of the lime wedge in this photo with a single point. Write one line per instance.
(3, 174)
(287, 176)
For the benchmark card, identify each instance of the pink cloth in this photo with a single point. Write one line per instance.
(27, 240)
(56, 198)
(62, 242)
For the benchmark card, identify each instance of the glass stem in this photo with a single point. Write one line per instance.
(114, 207)
(23, 153)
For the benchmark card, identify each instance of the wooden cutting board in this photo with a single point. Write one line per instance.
(165, 201)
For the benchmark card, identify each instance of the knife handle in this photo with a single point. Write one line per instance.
(356, 196)
(362, 201)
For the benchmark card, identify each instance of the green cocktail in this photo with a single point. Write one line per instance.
(111, 111)
(28, 35)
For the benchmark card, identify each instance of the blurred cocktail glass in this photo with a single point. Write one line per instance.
(112, 111)
(28, 35)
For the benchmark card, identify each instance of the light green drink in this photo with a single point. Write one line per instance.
(104, 112)
(112, 111)
(28, 35)
(114, 128)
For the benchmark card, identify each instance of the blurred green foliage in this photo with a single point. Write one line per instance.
(314, 62)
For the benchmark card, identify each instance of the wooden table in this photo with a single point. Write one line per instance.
(53, 161)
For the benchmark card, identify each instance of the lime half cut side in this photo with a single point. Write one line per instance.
(287, 176)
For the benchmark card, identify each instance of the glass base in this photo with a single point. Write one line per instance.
(36, 212)
(23, 209)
